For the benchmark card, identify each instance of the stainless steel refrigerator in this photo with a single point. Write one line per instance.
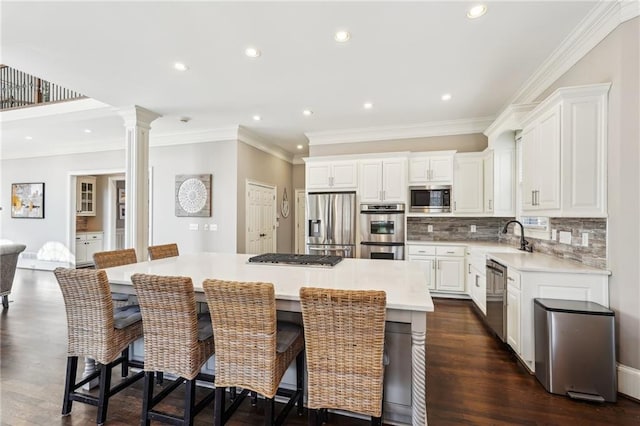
(331, 223)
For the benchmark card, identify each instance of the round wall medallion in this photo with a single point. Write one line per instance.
(192, 195)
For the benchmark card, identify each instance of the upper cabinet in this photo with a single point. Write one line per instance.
(86, 196)
(564, 142)
(468, 184)
(425, 169)
(499, 182)
(383, 180)
(332, 175)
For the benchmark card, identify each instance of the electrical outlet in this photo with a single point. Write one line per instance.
(565, 237)
(473, 228)
(585, 239)
(206, 226)
(429, 228)
(193, 227)
(213, 227)
(554, 235)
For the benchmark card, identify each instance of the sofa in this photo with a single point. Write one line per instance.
(8, 260)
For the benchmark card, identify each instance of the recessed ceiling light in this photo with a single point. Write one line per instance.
(252, 52)
(307, 112)
(87, 130)
(257, 118)
(446, 97)
(368, 105)
(28, 137)
(476, 11)
(180, 66)
(342, 36)
(299, 147)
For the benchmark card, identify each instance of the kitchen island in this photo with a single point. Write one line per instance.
(408, 302)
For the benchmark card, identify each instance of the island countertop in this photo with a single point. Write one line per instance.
(404, 282)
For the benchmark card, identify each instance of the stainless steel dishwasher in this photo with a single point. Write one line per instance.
(496, 317)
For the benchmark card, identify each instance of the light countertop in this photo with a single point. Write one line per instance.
(404, 282)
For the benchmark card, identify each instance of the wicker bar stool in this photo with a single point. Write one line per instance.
(98, 331)
(177, 341)
(344, 337)
(163, 251)
(253, 349)
(109, 259)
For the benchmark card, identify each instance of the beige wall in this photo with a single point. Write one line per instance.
(259, 166)
(616, 59)
(298, 176)
(462, 143)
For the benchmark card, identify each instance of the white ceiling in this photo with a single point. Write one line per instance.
(402, 57)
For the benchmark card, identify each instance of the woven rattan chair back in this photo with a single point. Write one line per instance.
(89, 307)
(244, 322)
(170, 321)
(109, 259)
(344, 338)
(162, 251)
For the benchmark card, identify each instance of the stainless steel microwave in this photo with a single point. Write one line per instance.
(430, 199)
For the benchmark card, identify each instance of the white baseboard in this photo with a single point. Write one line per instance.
(629, 381)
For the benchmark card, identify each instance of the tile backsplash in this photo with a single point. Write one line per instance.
(488, 229)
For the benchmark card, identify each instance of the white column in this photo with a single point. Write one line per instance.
(137, 123)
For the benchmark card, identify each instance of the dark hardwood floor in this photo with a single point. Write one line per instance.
(472, 378)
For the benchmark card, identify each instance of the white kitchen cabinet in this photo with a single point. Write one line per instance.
(499, 182)
(513, 311)
(468, 184)
(564, 149)
(332, 175)
(444, 266)
(88, 243)
(477, 283)
(86, 196)
(383, 180)
(424, 169)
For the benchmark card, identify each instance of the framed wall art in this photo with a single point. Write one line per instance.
(121, 211)
(121, 195)
(27, 200)
(193, 195)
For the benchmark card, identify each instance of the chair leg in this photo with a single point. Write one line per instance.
(160, 377)
(125, 363)
(218, 406)
(103, 394)
(5, 301)
(300, 382)
(254, 399)
(269, 410)
(314, 417)
(147, 397)
(189, 401)
(376, 421)
(70, 381)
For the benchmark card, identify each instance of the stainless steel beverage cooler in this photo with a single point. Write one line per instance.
(575, 349)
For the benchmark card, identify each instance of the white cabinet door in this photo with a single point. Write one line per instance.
(429, 267)
(418, 170)
(529, 166)
(318, 175)
(441, 168)
(394, 180)
(344, 175)
(467, 187)
(503, 182)
(81, 251)
(86, 196)
(548, 169)
(370, 182)
(489, 201)
(450, 273)
(93, 246)
(513, 318)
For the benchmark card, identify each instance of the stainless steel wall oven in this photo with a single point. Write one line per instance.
(382, 231)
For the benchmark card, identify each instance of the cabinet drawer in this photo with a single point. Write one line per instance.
(450, 251)
(93, 236)
(423, 250)
(513, 279)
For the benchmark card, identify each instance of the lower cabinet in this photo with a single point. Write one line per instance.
(444, 266)
(477, 283)
(514, 312)
(87, 243)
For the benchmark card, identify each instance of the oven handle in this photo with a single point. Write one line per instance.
(374, 243)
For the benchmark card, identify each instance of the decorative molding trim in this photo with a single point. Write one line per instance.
(137, 116)
(629, 9)
(197, 136)
(66, 107)
(436, 128)
(602, 19)
(510, 115)
(259, 142)
(629, 381)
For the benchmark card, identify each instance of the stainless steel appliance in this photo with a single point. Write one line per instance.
(331, 223)
(576, 349)
(382, 231)
(496, 317)
(430, 199)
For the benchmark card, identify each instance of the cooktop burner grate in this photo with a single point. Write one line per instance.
(297, 259)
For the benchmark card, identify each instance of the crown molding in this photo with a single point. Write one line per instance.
(259, 142)
(137, 116)
(436, 128)
(58, 108)
(197, 136)
(600, 21)
(509, 118)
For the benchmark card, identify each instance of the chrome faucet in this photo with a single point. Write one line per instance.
(524, 244)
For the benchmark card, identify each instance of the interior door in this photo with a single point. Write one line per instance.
(300, 238)
(260, 234)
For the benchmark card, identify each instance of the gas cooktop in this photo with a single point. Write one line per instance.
(296, 259)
